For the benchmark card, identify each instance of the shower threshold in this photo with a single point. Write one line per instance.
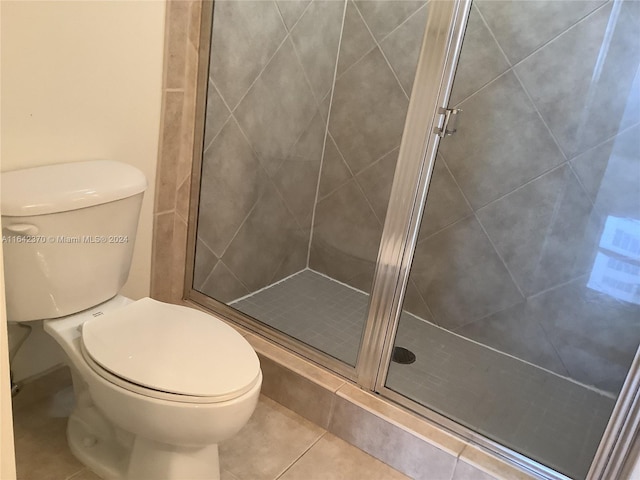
(538, 413)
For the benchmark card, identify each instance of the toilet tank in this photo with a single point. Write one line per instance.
(68, 232)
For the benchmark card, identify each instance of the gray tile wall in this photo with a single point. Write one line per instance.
(271, 87)
(271, 74)
(547, 149)
(377, 60)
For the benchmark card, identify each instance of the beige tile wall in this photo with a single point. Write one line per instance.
(176, 149)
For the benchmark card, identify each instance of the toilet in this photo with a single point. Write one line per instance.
(157, 386)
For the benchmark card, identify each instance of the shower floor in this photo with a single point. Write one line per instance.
(533, 411)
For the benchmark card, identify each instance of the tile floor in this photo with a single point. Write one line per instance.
(275, 444)
(534, 411)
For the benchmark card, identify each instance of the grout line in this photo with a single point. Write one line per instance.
(267, 287)
(502, 260)
(326, 134)
(368, 167)
(313, 444)
(304, 71)
(215, 87)
(544, 122)
(495, 39)
(393, 72)
(294, 23)
(571, 27)
(244, 220)
(489, 347)
(346, 165)
(338, 281)
(268, 62)
(164, 212)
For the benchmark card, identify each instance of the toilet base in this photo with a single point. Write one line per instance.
(93, 441)
(119, 456)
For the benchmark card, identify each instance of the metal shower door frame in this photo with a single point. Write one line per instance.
(619, 447)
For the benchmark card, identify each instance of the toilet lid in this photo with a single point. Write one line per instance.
(172, 349)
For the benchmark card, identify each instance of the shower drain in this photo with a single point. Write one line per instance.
(403, 355)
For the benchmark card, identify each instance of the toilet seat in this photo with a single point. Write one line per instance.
(170, 352)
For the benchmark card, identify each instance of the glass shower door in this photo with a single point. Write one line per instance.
(306, 103)
(521, 315)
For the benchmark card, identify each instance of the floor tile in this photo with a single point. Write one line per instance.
(39, 422)
(334, 459)
(273, 439)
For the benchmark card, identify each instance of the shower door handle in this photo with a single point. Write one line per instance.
(450, 122)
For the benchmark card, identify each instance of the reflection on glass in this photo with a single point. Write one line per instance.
(522, 306)
(616, 271)
(305, 112)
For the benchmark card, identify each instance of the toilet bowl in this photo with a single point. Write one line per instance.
(155, 405)
(157, 386)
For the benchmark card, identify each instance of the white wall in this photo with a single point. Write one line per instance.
(82, 80)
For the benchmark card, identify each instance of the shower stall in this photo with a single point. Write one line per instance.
(437, 200)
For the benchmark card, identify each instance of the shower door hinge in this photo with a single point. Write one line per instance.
(449, 121)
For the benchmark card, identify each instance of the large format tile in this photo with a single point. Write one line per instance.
(510, 332)
(522, 27)
(363, 127)
(402, 47)
(40, 414)
(170, 140)
(356, 39)
(204, 262)
(277, 109)
(296, 392)
(346, 234)
(229, 189)
(595, 334)
(390, 443)
(353, 270)
(445, 202)
(347, 463)
(501, 142)
(216, 114)
(465, 471)
(244, 37)
(264, 240)
(478, 457)
(272, 440)
(611, 174)
(376, 181)
(316, 37)
(480, 60)
(545, 231)
(583, 81)
(460, 275)
(292, 10)
(415, 304)
(297, 176)
(383, 16)
(222, 285)
(335, 171)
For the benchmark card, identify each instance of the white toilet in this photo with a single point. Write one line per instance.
(157, 386)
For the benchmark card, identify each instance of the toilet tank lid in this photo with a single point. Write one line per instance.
(67, 186)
